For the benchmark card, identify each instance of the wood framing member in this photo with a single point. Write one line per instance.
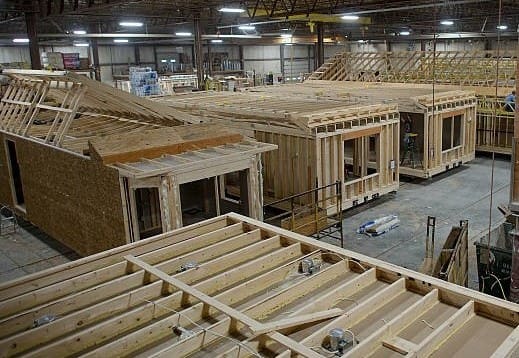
(470, 68)
(244, 294)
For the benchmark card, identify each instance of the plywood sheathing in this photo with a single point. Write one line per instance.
(128, 147)
(246, 295)
(74, 199)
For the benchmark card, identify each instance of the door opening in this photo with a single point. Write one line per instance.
(15, 173)
(148, 212)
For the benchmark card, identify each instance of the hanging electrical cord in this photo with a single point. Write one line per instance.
(492, 139)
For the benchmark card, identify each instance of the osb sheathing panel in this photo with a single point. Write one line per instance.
(75, 200)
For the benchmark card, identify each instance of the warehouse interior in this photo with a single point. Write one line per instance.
(259, 178)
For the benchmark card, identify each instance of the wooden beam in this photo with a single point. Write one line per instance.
(298, 321)
(231, 312)
(388, 332)
(445, 330)
(361, 133)
(293, 345)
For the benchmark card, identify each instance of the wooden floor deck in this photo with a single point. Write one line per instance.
(232, 286)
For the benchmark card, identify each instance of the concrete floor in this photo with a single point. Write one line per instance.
(460, 194)
(29, 250)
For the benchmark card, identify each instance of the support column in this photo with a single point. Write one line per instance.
(319, 46)
(240, 54)
(137, 55)
(95, 59)
(282, 60)
(30, 20)
(199, 59)
(514, 205)
(209, 60)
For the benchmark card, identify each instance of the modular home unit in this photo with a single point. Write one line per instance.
(320, 141)
(433, 138)
(95, 181)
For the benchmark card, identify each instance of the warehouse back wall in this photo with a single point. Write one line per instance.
(290, 61)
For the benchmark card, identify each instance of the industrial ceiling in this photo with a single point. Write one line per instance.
(377, 19)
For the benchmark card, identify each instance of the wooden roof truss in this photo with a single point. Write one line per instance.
(468, 68)
(26, 98)
(233, 286)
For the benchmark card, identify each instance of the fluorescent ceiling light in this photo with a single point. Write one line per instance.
(183, 34)
(247, 27)
(404, 33)
(131, 24)
(360, 41)
(217, 41)
(81, 44)
(350, 17)
(286, 36)
(172, 61)
(502, 27)
(288, 44)
(220, 36)
(21, 40)
(231, 9)
(447, 22)
(163, 60)
(79, 32)
(120, 40)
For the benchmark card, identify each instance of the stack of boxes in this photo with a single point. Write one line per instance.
(71, 61)
(144, 81)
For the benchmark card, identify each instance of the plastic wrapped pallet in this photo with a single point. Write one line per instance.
(144, 81)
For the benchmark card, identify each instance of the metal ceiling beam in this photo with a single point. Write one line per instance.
(414, 7)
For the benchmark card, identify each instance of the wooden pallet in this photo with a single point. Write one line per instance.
(245, 295)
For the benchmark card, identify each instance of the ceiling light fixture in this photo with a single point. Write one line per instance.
(405, 33)
(447, 22)
(172, 61)
(231, 9)
(247, 28)
(79, 32)
(81, 44)
(286, 36)
(20, 40)
(217, 41)
(360, 41)
(163, 61)
(350, 17)
(502, 27)
(131, 24)
(186, 34)
(121, 40)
